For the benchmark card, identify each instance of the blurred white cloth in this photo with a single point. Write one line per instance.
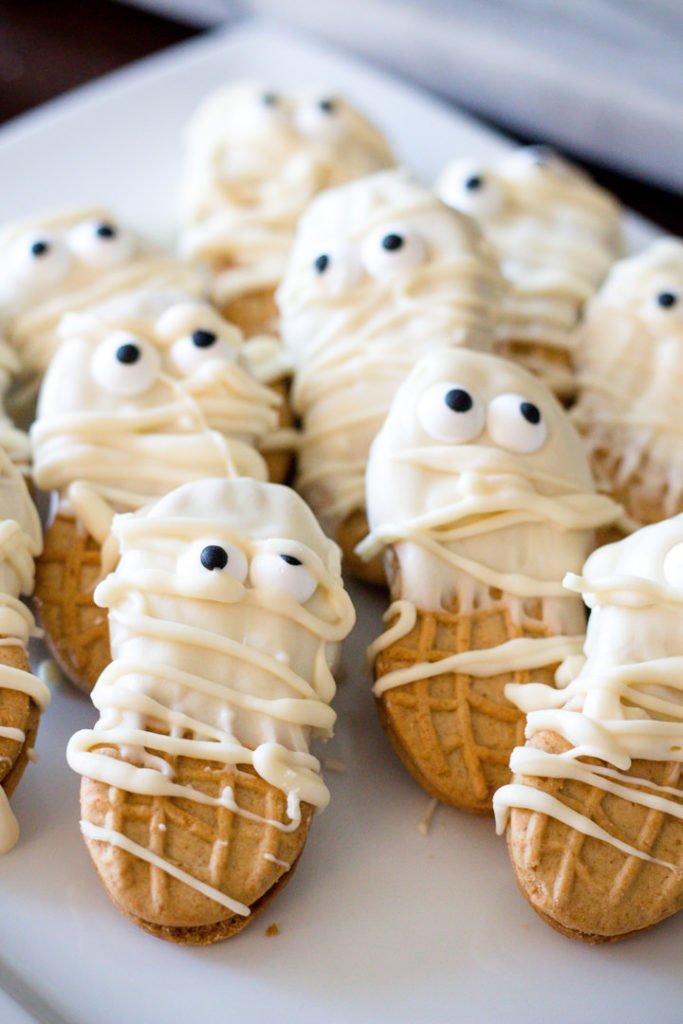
(603, 78)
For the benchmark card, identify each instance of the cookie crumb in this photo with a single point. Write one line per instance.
(272, 930)
(333, 764)
(425, 821)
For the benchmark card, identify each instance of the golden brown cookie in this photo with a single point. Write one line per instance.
(584, 887)
(254, 312)
(249, 861)
(281, 463)
(76, 630)
(453, 732)
(353, 530)
(17, 711)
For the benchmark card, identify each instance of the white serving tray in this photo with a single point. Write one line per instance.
(380, 923)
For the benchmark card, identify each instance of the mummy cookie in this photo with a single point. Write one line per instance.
(68, 261)
(480, 495)
(380, 273)
(556, 233)
(145, 393)
(22, 695)
(628, 358)
(227, 611)
(254, 160)
(595, 807)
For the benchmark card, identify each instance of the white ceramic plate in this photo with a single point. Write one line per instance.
(380, 923)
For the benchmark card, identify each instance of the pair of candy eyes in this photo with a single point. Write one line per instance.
(129, 366)
(387, 251)
(268, 570)
(452, 413)
(98, 243)
(319, 120)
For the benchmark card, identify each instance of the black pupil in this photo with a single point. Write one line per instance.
(105, 231)
(474, 182)
(327, 106)
(269, 99)
(459, 400)
(530, 412)
(203, 339)
(40, 248)
(666, 300)
(214, 557)
(392, 242)
(291, 560)
(322, 263)
(128, 353)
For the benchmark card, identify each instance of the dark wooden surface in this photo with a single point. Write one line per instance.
(50, 46)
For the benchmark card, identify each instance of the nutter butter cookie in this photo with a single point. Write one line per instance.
(66, 261)
(22, 695)
(629, 410)
(254, 159)
(380, 273)
(556, 234)
(594, 812)
(227, 611)
(480, 495)
(146, 392)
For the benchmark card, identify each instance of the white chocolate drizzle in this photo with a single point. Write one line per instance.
(354, 340)
(179, 632)
(625, 702)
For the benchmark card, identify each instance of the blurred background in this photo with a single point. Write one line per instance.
(600, 79)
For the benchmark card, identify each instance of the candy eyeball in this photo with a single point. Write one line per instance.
(517, 424)
(393, 249)
(673, 566)
(216, 559)
(125, 365)
(338, 267)
(101, 243)
(270, 111)
(470, 189)
(538, 158)
(203, 345)
(450, 412)
(284, 573)
(39, 261)
(668, 302)
(321, 120)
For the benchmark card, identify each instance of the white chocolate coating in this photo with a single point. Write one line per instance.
(252, 167)
(628, 370)
(111, 436)
(556, 234)
(73, 269)
(465, 516)
(20, 543)
(625, 702)
(356, 328)
(262, 683)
